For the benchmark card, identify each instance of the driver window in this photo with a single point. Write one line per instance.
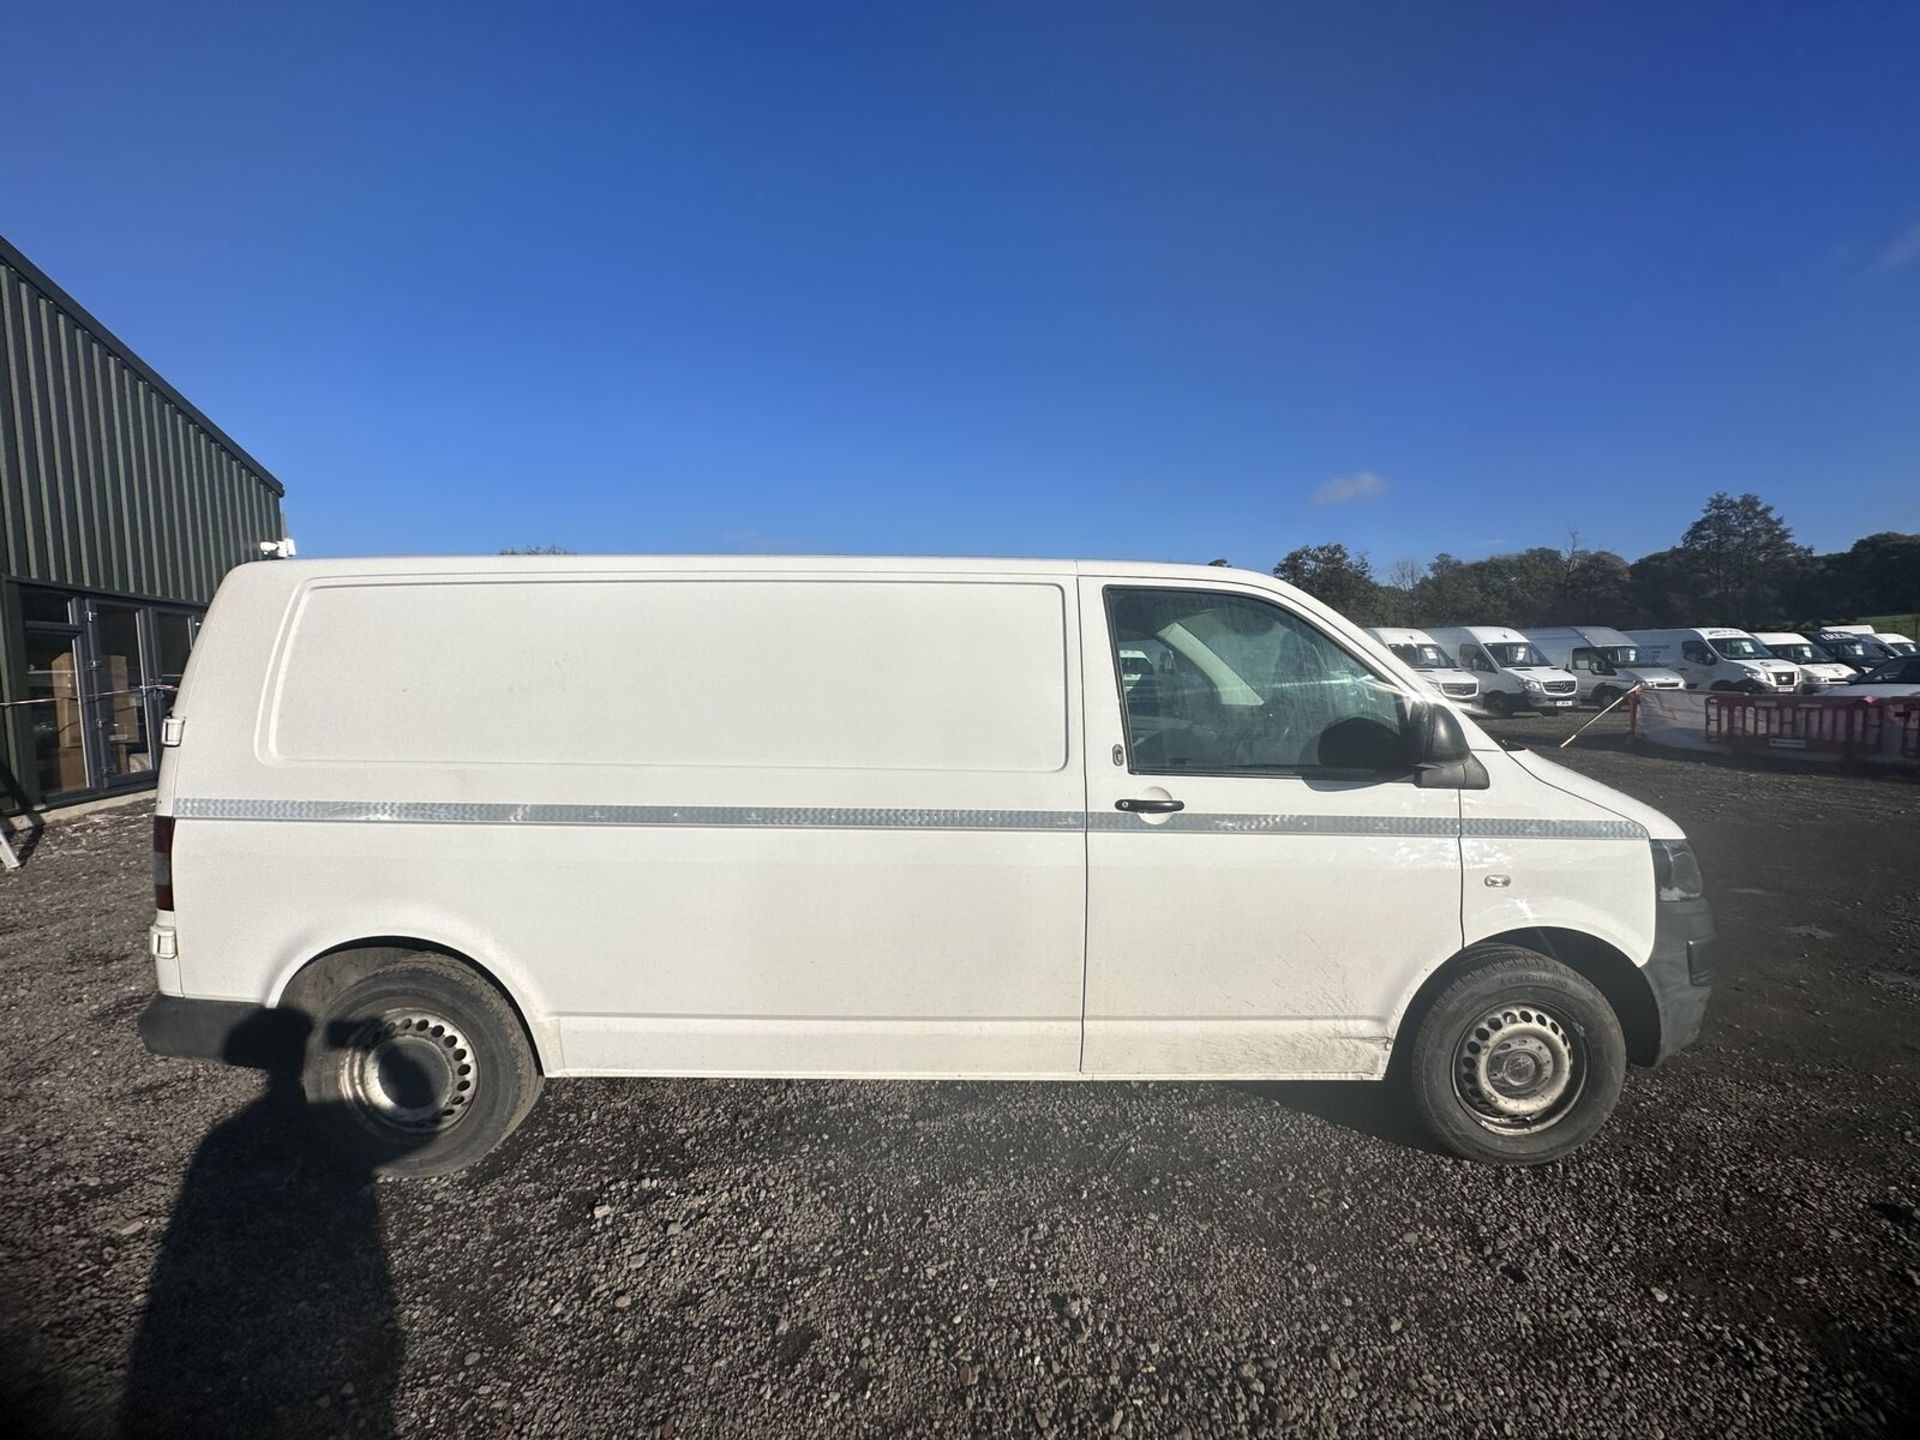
(1697, 653)
(1240, 686)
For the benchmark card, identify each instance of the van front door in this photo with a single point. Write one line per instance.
(1265, 878)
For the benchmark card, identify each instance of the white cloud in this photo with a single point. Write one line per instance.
(1904, 250)
(1347, 488)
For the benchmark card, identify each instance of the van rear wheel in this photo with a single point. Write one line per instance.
(1518, 1061)
(416, 1066)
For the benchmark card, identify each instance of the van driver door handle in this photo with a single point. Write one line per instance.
(1150, 807)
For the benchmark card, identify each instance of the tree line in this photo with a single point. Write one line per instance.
(1737, 565)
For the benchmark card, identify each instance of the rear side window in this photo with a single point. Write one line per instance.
(798, 674)
(1243, 687)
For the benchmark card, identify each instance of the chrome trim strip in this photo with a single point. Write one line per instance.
(783, 817)
(1498, 829)
(1442, 827)
(749, 817)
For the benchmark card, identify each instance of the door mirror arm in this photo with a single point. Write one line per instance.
(1442, 758)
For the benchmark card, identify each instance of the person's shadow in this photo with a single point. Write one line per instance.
(270, 1309)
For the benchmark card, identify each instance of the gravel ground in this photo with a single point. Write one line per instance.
(1738, 1253)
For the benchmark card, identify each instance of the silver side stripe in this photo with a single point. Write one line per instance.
(782, 817)
(1494, 829)
(1444, 827)
(743, 817)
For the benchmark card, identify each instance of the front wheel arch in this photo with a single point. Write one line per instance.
(1607, 969)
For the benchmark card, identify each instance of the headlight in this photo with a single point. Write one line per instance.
(1534, 685)
(1676, 874)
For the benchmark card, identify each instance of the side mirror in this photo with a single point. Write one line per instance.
(1442, 758)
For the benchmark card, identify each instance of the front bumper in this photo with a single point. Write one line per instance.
(1680, 972)
(232, 1031)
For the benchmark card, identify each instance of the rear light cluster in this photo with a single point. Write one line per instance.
(163, 862)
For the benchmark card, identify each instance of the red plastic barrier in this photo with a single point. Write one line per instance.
(1847, 728)
(1910, 731)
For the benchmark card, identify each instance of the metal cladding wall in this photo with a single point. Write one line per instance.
(109, 479)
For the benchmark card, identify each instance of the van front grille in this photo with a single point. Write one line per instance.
(1562, 687)
(1454, 690)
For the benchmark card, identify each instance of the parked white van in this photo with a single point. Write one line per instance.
(437, 830)
(1817, 672)
(1717, 658)
(1513, 674)
(1435, 667)
(1605, 662)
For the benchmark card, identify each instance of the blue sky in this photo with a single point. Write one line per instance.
(1168, 281)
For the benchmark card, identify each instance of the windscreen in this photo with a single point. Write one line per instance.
(1423, 657)
(1853, 648)
(1800, 654)
(1738, 648)
(1517, 655)
(1621, 654)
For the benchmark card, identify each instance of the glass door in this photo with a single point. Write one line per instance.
(53, 692)
(118, 694)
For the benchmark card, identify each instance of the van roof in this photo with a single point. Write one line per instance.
(1497, 633)
(750, 564)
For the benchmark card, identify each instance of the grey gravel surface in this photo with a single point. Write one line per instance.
(1737, 1254)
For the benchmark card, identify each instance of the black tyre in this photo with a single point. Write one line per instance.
(415, 1065)
(1518, 1061)
(1721, 685)
(1605, 695)
(1499, 702)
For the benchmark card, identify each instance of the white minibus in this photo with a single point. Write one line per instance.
(1606, 663)
(432, 832)
(1436, 668)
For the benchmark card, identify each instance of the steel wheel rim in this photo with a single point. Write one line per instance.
(410, 1070)
(1519, 1069)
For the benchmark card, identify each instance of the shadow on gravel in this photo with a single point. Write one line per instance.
(1370, 1107)
(270, 1309)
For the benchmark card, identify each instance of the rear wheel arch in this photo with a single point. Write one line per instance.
(341, 965)
(1603, 966)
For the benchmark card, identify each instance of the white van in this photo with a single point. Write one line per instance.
(434, 831)
(1718, 658)
(1513, 675)
(1817, 672)
(1605, 662)
(1436, 668)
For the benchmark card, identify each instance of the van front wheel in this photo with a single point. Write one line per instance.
(416, 1066)
(1518, 1061)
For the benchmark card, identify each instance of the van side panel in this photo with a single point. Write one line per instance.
(696, 822)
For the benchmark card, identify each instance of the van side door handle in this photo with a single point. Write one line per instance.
(1150, 807)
